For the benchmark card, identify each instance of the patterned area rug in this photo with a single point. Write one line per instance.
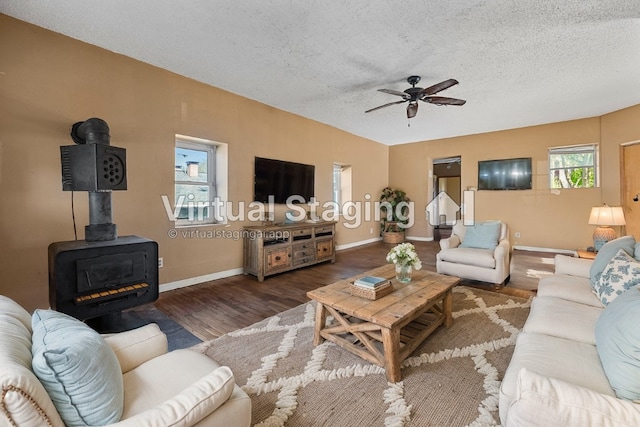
(452, 379)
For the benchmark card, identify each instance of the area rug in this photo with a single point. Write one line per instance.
(452, 379)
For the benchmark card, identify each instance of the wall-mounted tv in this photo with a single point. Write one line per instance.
(505, 174)
(282, 179)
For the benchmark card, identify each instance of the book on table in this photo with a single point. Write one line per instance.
(371, 282)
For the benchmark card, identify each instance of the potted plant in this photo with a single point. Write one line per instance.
(393, 216)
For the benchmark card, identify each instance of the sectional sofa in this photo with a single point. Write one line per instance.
(577, 360)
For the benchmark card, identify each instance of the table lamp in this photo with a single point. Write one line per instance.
(604, 217)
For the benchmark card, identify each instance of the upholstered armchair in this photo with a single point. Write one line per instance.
(478, 252)
(126, 379)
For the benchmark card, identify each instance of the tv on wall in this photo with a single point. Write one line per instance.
(505, 174)
(282, 179)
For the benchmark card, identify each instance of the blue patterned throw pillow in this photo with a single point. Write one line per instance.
(608, 251)
(620, 274)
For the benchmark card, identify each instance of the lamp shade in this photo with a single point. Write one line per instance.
(607, 215)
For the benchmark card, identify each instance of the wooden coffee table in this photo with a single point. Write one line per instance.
(385, 331)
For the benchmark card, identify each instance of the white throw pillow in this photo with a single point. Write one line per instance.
(620, 274)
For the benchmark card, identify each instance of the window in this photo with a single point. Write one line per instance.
(341, 185)
(573, 167)
(200, 181)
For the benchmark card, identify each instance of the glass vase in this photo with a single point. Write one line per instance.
(403, 273)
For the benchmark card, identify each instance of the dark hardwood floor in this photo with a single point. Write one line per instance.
(211, 309)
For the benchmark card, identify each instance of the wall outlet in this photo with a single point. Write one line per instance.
(517, 234)
(160, 262)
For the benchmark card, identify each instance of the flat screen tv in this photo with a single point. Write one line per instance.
(282, 179)
(505, 174)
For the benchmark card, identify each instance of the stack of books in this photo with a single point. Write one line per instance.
(371, 282)
(371, 287)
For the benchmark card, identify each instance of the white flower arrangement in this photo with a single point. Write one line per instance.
(404, 253)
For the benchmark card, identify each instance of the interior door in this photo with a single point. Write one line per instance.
(631, 188)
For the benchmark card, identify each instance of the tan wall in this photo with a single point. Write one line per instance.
(52, 81)
(543, 218)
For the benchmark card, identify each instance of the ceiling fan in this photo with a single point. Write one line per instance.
(415, 94)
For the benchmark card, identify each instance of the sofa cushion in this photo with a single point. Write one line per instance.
(136, 346)
(155, 381)
(572, 288)
(567, 360)
(608, 251)
(468, 256)
(563, 318)
(544, 401)
(482, 235)
(79, 370)
(618, 341)
(620, 274)
(572, 266)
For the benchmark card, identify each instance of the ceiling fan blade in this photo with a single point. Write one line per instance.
(412, 109)
(441, 100)
(385, 105)
(395, 92)
(439, 87)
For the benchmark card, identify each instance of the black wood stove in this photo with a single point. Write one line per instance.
(103, 274)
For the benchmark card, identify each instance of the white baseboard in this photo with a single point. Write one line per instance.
(536, 249)
(420, 239)
(356, 244)
(200, 279)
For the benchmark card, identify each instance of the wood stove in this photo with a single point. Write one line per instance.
(103, 274)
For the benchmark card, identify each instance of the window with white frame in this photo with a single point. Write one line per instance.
(341, 185)
(200, 181)
(573, 166)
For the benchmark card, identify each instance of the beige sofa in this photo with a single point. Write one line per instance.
(555, 376)
(490, 265)
(179, 388)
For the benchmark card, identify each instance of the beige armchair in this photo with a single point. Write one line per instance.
(178, 388)
(488, 261)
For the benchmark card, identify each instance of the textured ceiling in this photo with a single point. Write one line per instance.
(519, 62)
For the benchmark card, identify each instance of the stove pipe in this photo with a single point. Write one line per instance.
(94, 166)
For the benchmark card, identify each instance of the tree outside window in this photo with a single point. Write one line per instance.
(573, 167)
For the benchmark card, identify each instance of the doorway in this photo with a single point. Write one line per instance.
(447, 195)
(631, 188)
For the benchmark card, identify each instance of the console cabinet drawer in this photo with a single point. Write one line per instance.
(324, 231)
(302, 233)
(304, 253)
(324, 249)
(277, 259)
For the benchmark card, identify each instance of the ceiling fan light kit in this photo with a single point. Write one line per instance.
(414, 94)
